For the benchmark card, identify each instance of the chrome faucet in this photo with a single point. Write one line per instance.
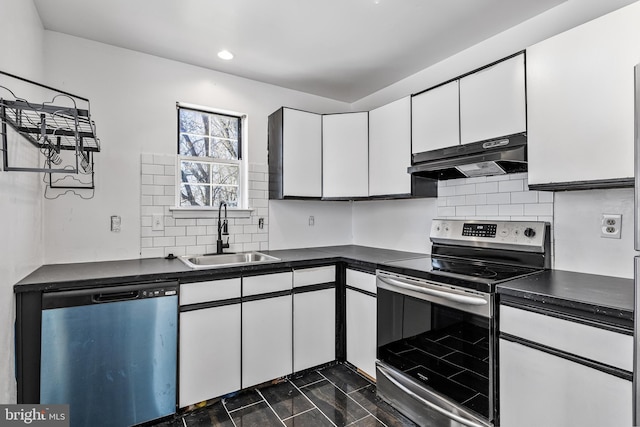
(223, 228)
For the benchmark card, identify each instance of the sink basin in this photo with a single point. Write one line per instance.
(226, 260)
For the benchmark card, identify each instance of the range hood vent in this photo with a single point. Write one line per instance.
(493, 157)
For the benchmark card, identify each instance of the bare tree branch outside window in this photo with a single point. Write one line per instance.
(208, 146)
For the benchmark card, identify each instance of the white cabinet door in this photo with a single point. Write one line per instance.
(361, 331)
(540, 389)
(302, 153)
(266, 340)
(493, 101)
(390, 148)
(580, 102)
(345, 152)
(314, 328)
(209, 353)
(435, 118)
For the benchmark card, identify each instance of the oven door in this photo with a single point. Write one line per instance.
(435, 351)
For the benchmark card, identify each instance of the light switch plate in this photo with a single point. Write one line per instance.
(157, 223)
(116, 222)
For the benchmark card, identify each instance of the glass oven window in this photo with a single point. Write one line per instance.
(445, 349)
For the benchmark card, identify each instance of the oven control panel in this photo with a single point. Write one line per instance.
(521, 235)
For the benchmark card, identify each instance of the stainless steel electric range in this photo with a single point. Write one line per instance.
(436, 343)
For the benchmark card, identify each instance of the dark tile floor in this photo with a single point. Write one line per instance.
(332, 396)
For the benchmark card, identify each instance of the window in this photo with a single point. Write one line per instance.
(209, 158)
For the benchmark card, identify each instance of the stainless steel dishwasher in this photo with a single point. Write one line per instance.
(111, 353)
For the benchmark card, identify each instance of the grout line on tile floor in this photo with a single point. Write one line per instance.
(355, 401)
(357, 390)
(300, 413)
(366, 416)
(184, 423)
(224, 405)
(270, 407)
(245, 406)
(307, 385)
(311, 401)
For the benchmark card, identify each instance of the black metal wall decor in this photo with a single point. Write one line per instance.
(61, 130)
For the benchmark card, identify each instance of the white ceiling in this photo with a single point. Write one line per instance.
(339, 49)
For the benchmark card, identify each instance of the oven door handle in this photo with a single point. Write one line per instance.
(449, 296)
(388, 375)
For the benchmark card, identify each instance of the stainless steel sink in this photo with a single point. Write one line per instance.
(226, 260)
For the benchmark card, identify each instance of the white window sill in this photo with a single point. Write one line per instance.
(188, 213)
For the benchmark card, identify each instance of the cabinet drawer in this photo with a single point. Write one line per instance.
(264, 284)
(314, 276)
(600, 345)
(213, 290)
(360, 280)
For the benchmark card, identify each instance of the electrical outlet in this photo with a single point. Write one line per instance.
(610, 226)
(312, 221)
(157, 223)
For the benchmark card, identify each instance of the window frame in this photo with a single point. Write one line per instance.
(242, 199)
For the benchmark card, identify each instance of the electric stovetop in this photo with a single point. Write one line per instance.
(467, 273)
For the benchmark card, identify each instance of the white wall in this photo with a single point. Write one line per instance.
(20, 192)
(402, 225)
(133, 98)
(578, 245)
(289, 223)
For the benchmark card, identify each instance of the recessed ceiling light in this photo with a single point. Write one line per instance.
(225, 54)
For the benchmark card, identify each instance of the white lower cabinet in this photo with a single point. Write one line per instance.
(314, 328)
(266, 329)
(361, 322)
(557, 372)
(209, 341)
(314, 317)
(540, 389)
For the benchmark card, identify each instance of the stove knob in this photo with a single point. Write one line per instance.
(529, 232)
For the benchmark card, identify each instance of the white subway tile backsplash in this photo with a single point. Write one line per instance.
(456, 200)
(446, 211)
(466, 189)
(444, 190)
(487, 187)
(511, 186)
(152, 169)
(511, 210)
(465, 211)
(487, 210)
(195, 236)
(501, 197)
(539, 209)
(498, 198)
(545, 196)
(476, 199)
(524, 197)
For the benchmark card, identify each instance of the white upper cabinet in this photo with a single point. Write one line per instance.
(390, 148)
(580, 104)
(435, 118)
(493, 101)
(302, 153)
(295, 154)
(345, 152)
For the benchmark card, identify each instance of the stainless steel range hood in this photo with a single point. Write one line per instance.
(484, 158)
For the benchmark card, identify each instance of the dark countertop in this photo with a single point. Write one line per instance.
(591, 295)
(90, 274)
